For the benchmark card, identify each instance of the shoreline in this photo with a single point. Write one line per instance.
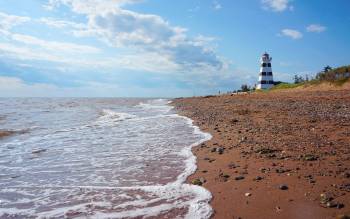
(265, 161)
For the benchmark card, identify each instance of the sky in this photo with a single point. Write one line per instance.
(163, 48)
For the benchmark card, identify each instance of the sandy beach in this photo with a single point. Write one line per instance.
(279, 154)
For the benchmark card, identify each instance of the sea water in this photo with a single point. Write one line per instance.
(98, 158)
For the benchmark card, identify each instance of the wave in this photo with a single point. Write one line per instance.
(110, 117)
(135, 201)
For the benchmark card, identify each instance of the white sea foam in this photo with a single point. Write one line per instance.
(115, 116)
(100, 167)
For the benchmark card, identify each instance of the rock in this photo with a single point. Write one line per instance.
(265, 151)
(324, 198)
(197, 182)
(243, 139)
(220, 150)
(280, 171)
(343, 216)
(333, 204)
(213, 150)
(234, 121)
(258, 178)
(247, 194)
(310, 157)
(239, 177)
(232, 166)
(283, 187)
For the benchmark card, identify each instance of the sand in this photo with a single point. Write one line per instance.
(276, 154)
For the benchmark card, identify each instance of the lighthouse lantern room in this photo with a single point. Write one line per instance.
(265, 76)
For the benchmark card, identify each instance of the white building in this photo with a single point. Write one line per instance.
(265, 76)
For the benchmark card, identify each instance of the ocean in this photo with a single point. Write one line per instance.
(98, 158)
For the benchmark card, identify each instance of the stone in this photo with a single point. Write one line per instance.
(247, 194)
(197, 182)
(333, 204)
(220, 150)
(310, 157)
(258, 178)
(239, 177)
(283, 187)
(343, 216)
(324, 198)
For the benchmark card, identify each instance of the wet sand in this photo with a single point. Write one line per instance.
(274, 155)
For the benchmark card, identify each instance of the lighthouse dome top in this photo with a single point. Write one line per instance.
(266, 57)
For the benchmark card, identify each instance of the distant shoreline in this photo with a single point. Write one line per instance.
(275, 154)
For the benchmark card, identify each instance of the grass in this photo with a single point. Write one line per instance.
(340, 82)
(286, 86)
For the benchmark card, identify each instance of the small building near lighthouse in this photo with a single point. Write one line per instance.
(265, 75)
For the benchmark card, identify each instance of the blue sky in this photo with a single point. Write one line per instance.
(163, 48)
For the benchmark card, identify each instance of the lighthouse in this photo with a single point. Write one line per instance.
(265, 75)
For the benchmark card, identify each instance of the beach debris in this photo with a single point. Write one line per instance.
(248, 194)
(283, 187)
(239, 178)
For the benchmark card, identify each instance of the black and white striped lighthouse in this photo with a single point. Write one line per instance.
(265, 76)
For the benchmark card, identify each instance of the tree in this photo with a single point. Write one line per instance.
(245, 88)
(298, 79)
(306, 77)
(327, 69)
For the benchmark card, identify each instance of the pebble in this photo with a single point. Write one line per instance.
(283, 187)
(220, 150)
(247, 194)
(258, 178)
(239, 177)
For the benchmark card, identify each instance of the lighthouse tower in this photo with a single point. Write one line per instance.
(265, 76)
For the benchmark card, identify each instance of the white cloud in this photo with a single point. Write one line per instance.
(217, 5)
(277, 5)
(316, 28)
(8, 21)
(89, 6)
(54, 46)
(52, 22)
(144, 42)
(148, 34)
(294, 34)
